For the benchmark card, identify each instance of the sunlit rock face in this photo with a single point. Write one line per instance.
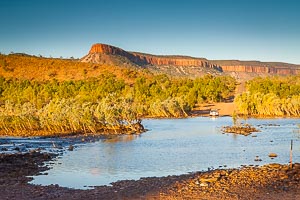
(106, 49)
(142, 59)
(262, 69)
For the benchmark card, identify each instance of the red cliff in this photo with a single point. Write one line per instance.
(106, 49)
(185, 61)
(171, 60)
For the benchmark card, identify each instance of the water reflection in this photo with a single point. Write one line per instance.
(95, 171)
(120, 138)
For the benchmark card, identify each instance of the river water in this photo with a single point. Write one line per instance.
(173, 147)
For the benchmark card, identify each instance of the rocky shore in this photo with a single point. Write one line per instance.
(273, 181)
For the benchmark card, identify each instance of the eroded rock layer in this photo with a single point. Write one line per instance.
(142, 59)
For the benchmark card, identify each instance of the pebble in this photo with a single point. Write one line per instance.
(257, 159)
(71, 148)
(17, 149)
(273, 155)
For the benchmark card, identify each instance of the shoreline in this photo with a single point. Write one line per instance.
(271, 181)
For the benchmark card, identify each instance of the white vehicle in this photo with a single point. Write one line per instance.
(214, 113)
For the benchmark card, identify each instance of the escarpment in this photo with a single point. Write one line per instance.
(144, 60)
(171, 60)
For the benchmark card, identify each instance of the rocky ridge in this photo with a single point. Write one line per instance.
(181, 63)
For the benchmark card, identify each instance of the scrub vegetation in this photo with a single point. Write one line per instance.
(273, 96)
(102, 104)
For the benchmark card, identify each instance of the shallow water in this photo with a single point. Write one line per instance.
(172, 147)
(9, 145)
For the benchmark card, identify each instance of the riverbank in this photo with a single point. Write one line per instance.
(132, 129)
(271, 181)
(224, 108)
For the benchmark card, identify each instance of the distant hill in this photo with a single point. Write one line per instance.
(188, 66)
(127, 65)
(28, 67)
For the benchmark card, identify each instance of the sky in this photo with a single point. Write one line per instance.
(265, 30)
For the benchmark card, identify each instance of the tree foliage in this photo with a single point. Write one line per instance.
(271, 96)
(105, 103)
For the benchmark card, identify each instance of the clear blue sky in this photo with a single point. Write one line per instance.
(266, 30)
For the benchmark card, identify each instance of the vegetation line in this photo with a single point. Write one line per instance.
(277, 96)
(102, 104)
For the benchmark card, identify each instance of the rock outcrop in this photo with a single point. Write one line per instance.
(147, 59)
(142, 59)
(107, 49)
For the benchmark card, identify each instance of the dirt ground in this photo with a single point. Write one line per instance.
(271, 181)
(225, 109)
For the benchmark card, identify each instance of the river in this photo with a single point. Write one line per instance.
(173, 147)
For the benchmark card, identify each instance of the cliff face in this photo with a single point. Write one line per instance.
(109, 50)
(244, 68)
(262, 69)
(185, 61)
(160, 60)
(146, 59)
(106, 49)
